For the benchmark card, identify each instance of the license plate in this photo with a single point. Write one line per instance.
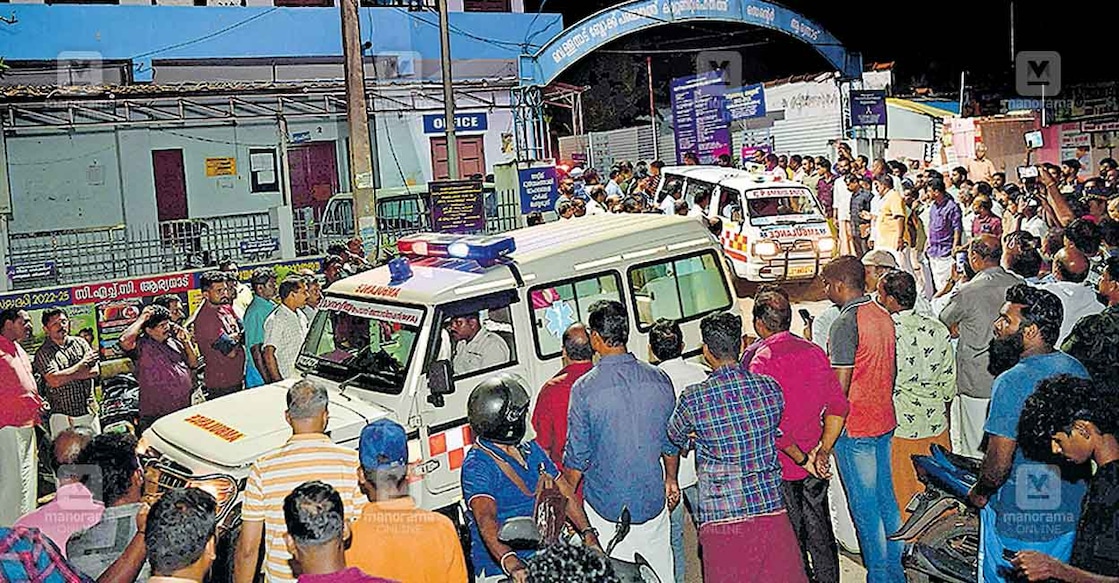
(800, 271)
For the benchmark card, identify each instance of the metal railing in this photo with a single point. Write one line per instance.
(65, 257)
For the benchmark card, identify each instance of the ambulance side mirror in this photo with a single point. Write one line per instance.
(439, 381)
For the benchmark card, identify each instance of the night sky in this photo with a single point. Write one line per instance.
(930, 42)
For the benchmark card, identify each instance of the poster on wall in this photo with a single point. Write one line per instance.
(99, 312)
(699, 114)
(747, 102)
(1077, 145)
(221, 166)
(868, 108)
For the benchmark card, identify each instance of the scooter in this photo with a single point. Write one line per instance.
(522, 533)
(942, 533)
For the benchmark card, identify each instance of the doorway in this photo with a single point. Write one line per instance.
(471, 156)
(170, 185)
(314, 175)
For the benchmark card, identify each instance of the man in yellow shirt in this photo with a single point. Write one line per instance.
(891, 222)
(393, 538)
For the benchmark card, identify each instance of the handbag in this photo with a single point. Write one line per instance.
(549, 509)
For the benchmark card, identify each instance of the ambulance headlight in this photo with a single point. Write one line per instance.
(826, 245)
(766, 248)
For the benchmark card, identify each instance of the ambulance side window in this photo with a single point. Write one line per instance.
(557, 305)
(696, 189)
(478, 339)
(680, 289)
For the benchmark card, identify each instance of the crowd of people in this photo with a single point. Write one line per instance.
(966, 311)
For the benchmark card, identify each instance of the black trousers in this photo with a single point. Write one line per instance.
(806, 502)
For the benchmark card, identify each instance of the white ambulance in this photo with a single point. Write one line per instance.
(380, 346)
(771, 229)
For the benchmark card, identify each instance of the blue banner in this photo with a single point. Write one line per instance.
(434, 123)
(698, 116)
(868, 108)
(746, 102)
(538, 189)
(609, 25)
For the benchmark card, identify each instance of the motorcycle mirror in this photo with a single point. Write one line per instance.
(520, 533)
(621, 530)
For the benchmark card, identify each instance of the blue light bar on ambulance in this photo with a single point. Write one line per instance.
(481, 248)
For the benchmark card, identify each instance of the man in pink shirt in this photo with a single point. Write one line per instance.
(73, 507)
(812, 391)
(20, 413)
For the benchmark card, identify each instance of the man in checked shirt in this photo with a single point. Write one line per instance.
(731, 421)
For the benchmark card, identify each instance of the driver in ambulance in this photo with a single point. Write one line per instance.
(475, 347)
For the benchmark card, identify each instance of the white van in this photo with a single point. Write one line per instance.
(378, 343)
(770, 229)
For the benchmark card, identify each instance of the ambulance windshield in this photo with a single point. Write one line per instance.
(368, 346)
(782, 206)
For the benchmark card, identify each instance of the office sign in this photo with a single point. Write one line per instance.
(435, 123)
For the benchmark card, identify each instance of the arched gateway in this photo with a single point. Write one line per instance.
(561, 52)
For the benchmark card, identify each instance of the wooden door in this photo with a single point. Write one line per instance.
(170, 185)
(314, 175)
(471, 157)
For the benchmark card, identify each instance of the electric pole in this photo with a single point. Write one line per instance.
(357, 116)
(448, 92)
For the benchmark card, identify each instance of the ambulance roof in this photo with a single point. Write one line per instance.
(556, 250)
(742, 180)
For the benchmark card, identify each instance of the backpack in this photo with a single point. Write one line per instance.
(549, 510)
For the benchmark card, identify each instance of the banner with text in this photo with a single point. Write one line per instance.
(538, 189)
(747, 102)
(699, 117)
(457, 206)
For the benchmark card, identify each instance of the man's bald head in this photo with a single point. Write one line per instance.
(1071, 265)
(577, 343)
(986, 251)
(67, 446)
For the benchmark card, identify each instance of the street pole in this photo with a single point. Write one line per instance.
(357, 116)
(1013, 55)
(448, 92)
(652, 107)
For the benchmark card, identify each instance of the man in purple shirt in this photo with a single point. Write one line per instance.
(164, 356)
(945, 231)
(811, 391)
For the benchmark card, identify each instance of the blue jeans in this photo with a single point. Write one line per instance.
(677, 522)
(864, 470)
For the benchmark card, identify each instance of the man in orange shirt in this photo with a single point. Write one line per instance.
(393, 538)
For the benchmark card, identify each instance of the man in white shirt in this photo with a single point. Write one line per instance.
(841, 202)
(284, 330)
(1070, 269)
(666, 345)
(475, 347)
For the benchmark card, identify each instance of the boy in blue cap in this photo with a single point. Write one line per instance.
(393, 538)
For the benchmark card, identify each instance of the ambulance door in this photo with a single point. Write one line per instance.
(474, 340)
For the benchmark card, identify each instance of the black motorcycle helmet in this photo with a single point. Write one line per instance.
(497, 409)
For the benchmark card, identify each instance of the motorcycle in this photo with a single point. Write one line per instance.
(942, 533)
(522, 533)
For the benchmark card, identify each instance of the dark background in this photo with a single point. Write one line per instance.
(929, 43)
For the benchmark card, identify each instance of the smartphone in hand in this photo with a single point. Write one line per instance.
(804, 315)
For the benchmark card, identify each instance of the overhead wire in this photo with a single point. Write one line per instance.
(208, 36)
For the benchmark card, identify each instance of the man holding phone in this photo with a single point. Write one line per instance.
(164, 354)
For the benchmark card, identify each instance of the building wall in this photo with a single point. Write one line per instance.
(88, 179)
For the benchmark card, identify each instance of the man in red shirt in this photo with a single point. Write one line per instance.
(862, 346)
(219, 334)
(19, 415)
(815, 410)
(549, 418)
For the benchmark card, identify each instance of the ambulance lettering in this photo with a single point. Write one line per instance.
(791, 232)
(214, 427)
